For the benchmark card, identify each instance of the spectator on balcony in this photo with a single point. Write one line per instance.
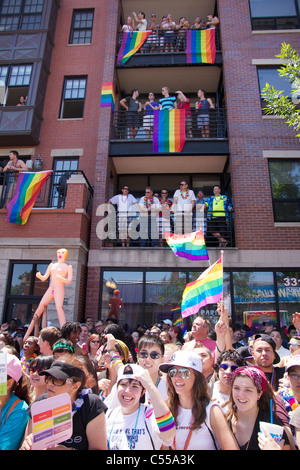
(129, 26)
(124, 203)
(149, 107)
(219, 207)
(167, 102)
(198, 23)
(153, 39)
(164, 215)
(14, 166)
(168, 27)
(212, 21)
(203, 106)
(180, 29)
(200, 219)
(140, 19)
(184, 103)
(133, 107)
(22, 100)
(149, 206)
(183, 204)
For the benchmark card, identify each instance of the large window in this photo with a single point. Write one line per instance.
(21, 14)
(285, 186)
(73, 97)
(271, 76)
(63, 168)
(82, 27)
(274, 14)
(14, 82)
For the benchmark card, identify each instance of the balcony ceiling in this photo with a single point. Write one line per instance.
(164, 164)
(189, 8)
(187, 79)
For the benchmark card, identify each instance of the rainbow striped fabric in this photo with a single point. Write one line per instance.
(168, 130)
(207, 289)
(131, 43)
(201, 46)
(108, 95)
(27, 190)
(189, 245)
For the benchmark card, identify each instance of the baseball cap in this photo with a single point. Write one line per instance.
(167, 322)
(271, 342)
(135, 370)
(63, 370)
(293, 361)
(183, 359)
(14, 367)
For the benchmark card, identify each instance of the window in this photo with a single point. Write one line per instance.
(14, 82)
(21, 14)
(73, 97)
(63, 168)
(271, 76)
(285, 186)
(82, 27)
(274, 14)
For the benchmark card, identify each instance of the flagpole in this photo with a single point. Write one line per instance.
(222, 252)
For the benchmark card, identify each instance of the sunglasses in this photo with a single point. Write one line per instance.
(32, 370)
(183, 372)
(153, 355)
(225, 367)
(57, 382)
(95, 341)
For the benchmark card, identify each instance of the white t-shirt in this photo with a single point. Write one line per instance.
(136, 431)
(155, 202)
(142, 26)
(123, 202)
(201, 439)
(184, 200)
(220, 397)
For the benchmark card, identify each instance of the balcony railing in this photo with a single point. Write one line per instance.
(52, 195)
(142, 230)
(159, 42)
(197, 126)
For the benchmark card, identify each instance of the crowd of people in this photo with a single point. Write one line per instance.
(167, 34)
(182, 212)
(155, 388)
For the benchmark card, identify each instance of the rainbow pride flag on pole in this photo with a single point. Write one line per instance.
(108, 95)
(201, 46)
(207, 289)
(131, 43)
(188, 245)
(168, 130)
(27, 190)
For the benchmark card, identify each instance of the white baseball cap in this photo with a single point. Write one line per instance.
(167, 322)
(188, 359)
(135, 368)
(293, 361)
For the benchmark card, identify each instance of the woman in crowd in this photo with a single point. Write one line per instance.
(67, 375)
(200, 423)
(31, 351)
(132, 425)
(92, 345)
(250, 402)
(13, 405)
(37, 381)
(62, 347)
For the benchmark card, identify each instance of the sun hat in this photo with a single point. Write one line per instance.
(181, 358)
(63, 370)
(293, 361)
(14, 367)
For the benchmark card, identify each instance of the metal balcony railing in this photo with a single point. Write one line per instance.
(197, 125)
(142, 230)
(52, 195)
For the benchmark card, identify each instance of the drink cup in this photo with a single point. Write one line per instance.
(275, 430)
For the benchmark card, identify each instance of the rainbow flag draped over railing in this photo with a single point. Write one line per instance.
(207, 289)
(188, 245)
(168, 130)
(201, 46)
(108, 95)
(26, 192)
(131, 43)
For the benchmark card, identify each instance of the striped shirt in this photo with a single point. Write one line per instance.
(167, 103)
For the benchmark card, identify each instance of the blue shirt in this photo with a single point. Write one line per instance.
(167, 103)
(12, 429)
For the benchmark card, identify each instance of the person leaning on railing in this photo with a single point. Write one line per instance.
(218, 207)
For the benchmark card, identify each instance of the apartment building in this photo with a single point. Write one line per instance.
(58, 54)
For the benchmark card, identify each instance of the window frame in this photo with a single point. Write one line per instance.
(65, 100)
(275, 18)
(18, 17)
(74, 29)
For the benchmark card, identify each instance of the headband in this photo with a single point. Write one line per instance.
(256, 374)
(63, 346)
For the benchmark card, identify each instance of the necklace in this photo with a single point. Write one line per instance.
(248, 442)
(148, 202)
(186, 194)
(187, 441)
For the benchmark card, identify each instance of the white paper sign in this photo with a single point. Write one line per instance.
(3, 374)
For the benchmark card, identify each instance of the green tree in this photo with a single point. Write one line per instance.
(284, 106)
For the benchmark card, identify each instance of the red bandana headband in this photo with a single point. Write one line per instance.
(256, 374)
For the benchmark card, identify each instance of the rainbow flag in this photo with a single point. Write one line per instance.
(168, 130)
(201, 46)
(27, 190)
(175, 310)
(189, 245)
(131, 43)
(207, 289)
(108, 95)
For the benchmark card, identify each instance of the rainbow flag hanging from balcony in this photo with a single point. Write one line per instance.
(207, 289)
(201, 46)
(188, 245)
(108, 95)
(26, 192)
(131, 43)
(168, 130)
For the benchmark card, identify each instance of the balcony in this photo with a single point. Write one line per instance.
(19, 125)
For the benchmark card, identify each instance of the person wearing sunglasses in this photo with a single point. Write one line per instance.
(92, 345)
(226, 363)
(200, 422)
(67, 375)
(37, 381)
